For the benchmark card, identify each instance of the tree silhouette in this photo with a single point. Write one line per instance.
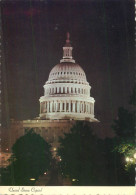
(124, 127)
(80, 155)
(30, 158)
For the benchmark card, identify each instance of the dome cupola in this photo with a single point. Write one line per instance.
(67, 51)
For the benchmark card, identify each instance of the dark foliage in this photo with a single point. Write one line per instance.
(125, 124)
(31, 158)
(115, 173)
(124, 128)
(80, 156)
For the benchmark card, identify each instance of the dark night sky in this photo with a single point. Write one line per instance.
(102, 34)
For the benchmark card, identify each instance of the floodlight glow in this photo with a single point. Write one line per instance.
(135, 155)
(73, 179)
(54, 149)
(127, 159)
(131, 159)
(32, 179)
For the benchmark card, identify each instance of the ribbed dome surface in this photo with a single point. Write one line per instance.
(67, 71)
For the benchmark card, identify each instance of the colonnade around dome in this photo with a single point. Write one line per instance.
(69, 106)
(67, 89)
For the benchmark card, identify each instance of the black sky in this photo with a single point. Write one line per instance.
(102, 34)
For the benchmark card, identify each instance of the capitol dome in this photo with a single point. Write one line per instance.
(67, 72)
(67, 92)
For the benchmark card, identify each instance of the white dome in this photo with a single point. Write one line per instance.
(67, 92)
(67, 71)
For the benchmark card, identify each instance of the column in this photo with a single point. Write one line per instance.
(89, 108)
(82, 107)
(65, 89)
(80, 104)
(47, 106)
(85, 108)
(73, 106)
(78, 107)
(53, 106)
(50, 106)
(69, 89)
(56, 106)
(65, 106)
(69, 106)
(61, 89)
(61, 106)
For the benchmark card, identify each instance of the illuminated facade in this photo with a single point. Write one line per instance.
(66, 99)
(67, 92)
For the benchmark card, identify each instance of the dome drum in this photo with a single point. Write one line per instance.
(62, 89)
(66, 108)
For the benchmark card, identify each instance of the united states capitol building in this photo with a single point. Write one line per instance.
(66, 99)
